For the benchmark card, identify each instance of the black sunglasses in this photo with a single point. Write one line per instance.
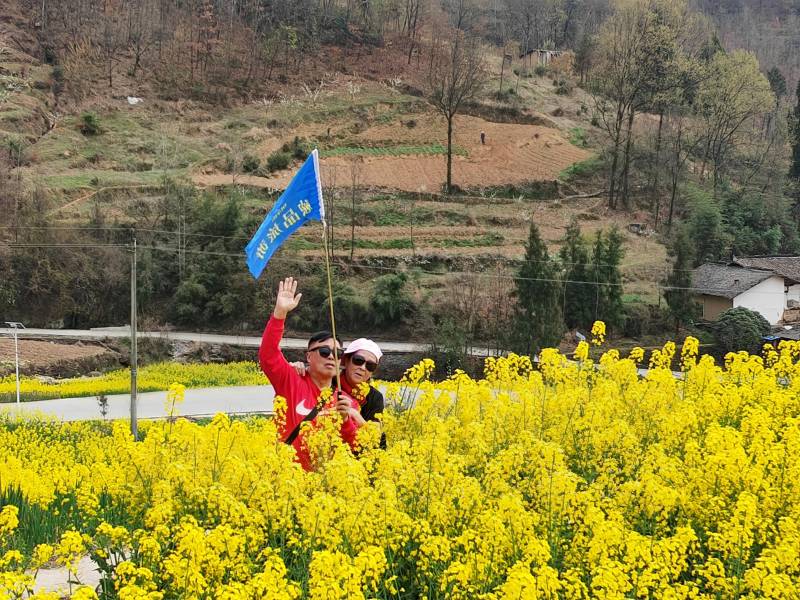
(359, 360)
(325, 351)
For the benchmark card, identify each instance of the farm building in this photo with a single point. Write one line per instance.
(765, 284)
(542, 57)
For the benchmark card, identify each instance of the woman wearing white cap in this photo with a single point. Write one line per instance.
(360, 360)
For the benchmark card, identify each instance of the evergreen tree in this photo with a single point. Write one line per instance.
(711, 48)
(612, 290)
(607, 254)
(538, 316)
(596, 275)
(682, 306)
(777, 83)
(705, 228)
(216, 289)
(794, 122)
(578, 300)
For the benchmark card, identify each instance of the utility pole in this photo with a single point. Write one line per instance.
(16, 326)
(413, 248)
(134, 358)
(181, 239)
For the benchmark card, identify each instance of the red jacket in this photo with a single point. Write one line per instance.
(300, 392)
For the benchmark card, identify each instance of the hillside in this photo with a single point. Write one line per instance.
(26, 99)
(391, 141)
(768, 28)
(112, 157)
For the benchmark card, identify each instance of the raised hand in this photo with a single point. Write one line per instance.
(287, 300)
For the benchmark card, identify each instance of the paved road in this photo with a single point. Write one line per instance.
(210, 338)
(151, 405)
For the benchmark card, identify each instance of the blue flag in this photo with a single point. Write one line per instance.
(301, 201)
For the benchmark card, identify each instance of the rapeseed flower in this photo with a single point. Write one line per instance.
(569, 479)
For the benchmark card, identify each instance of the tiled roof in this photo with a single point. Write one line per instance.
(785, 266)
(727, 281)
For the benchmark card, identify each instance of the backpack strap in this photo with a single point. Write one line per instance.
(296, 431)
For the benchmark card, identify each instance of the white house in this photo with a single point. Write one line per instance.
(763, 290)
(787, 267)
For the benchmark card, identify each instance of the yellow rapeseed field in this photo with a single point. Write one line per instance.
(151, 378)
(573, 480)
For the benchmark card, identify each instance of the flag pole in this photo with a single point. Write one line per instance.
(315, 155)
(330, 303)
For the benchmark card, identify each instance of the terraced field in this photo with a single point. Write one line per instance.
(398, 157)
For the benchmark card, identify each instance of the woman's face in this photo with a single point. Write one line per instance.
(358, 373)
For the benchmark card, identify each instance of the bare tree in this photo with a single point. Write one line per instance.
(111, 43)
(463, 14)
(140, 37)
(330, 194)
(636, 61)
(412, 15)
(355, 175)
(682, 145)
(455, 75)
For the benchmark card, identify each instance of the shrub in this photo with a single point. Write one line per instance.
(141, 166)
(278, 160)
(540, 70)
(313, 312)
(250, 163)
(90, 124)
(563, 87)
(390, 301)
(450, 344)
(58, 79)
(506, 95)
(298, 148)
(641, 319)
(50, 55)
(740, 329)
(584, 168)
(577, 137)
(188, 301)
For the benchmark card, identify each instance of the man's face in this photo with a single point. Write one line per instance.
(319, 365)
(358, 373)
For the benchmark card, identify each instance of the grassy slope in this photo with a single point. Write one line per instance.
(139, 144)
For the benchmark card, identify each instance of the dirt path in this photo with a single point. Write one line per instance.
(513, 154)
(84, 197)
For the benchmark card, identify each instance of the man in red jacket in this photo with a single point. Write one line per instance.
(302, 392)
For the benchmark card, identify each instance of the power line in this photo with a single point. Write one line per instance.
(186, 233)
(65, 228)
(55, 245)
(482, 275)
(380, 268)
(242, 238)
